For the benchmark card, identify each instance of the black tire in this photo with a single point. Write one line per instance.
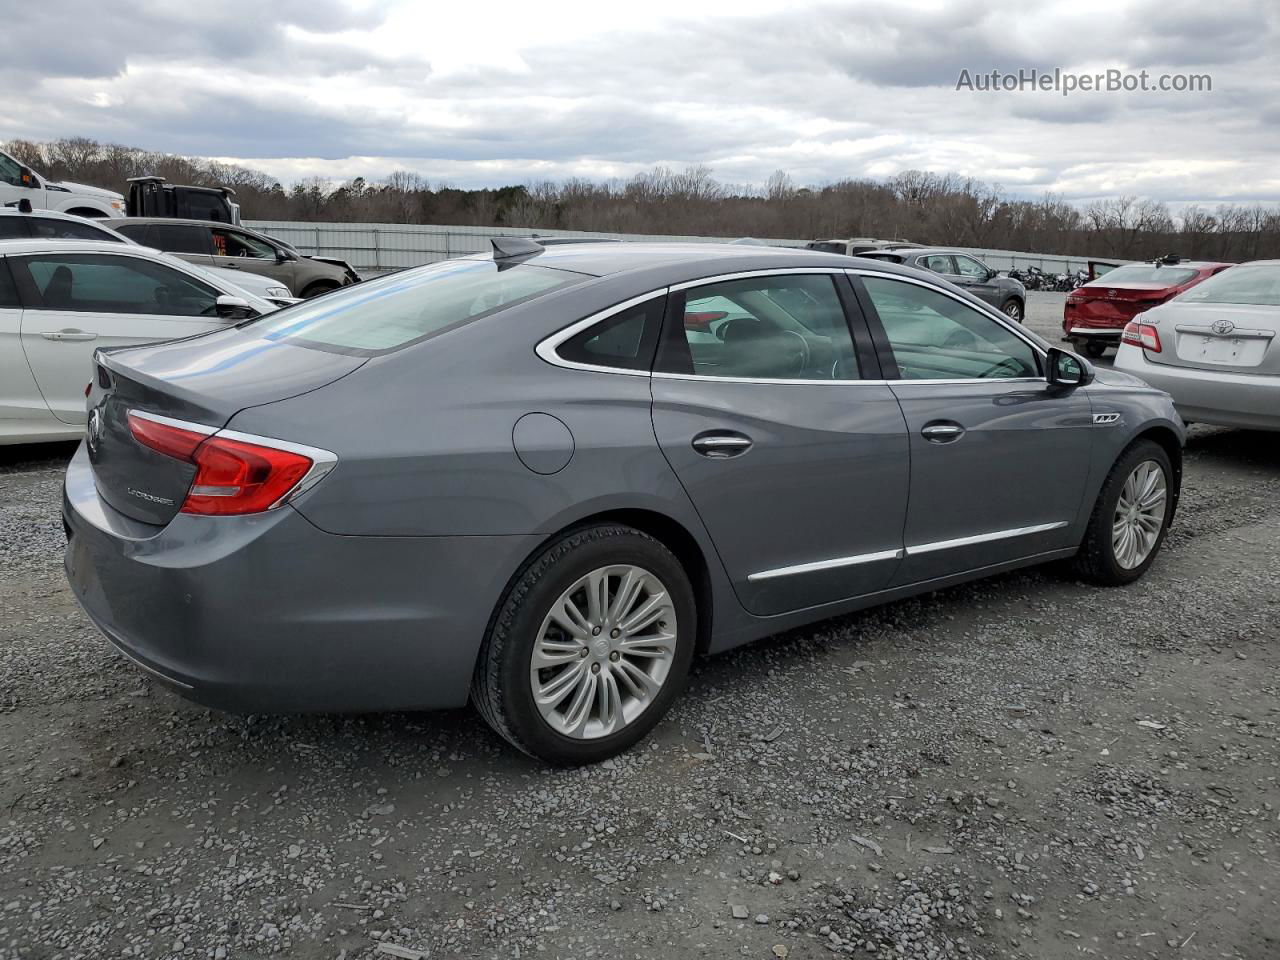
(1014, 309)
(500, 687)
(1095, 348)
(319, 287)
(1096, 560)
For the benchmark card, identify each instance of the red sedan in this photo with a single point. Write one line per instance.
(1096, 313)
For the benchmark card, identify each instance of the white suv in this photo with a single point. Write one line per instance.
(18, 182)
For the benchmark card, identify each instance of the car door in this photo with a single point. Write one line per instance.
(236, 250)
(20, 398)
(788, 443)
(74, 303)
(974, 276)
(998, 457)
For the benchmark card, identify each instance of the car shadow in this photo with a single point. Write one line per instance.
(1231, 447)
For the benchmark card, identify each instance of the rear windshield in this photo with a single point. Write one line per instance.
(383, 315)
(1247, 284)
(1146, 273)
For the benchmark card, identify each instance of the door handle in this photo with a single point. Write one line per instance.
(721, 446)
(942, 432)
(68, 335)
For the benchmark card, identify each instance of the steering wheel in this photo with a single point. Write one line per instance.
(805, 355)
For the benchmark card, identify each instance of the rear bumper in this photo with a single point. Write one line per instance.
(267, 613)
(1208, 396)
(1110, 334)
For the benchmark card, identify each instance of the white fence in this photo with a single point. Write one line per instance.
(374, 248)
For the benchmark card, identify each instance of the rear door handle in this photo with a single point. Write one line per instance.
(68, 335)
(721, 446)
(942, 431)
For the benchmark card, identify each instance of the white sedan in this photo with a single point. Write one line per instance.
(1214, 348)
(62, 299)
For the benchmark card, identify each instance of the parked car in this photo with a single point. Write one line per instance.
(515, 479)
(854, 246)
(19, 224)
(214, 244)
(1095, 313)
(1006, 294)
(19, 182)
(1213, 348)
(60, 300)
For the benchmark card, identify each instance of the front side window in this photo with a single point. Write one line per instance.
(969, 267)
(10, 170)
(936, 337)
(624, 341)
(785, 327)
(392, 312)
(115, 284)
(232, 243)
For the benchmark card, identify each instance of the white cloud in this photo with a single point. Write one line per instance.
(510, 92)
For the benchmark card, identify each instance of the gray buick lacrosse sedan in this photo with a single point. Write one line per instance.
(544, 479)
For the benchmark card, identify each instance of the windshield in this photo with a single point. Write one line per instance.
(1256, 284)
(1145, 273)
(379, 316)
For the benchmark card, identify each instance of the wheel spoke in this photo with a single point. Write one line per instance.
(580, 707)
(553, 653)
(597, 596)
(569, 618)
(554, 690)
(624, 599)
(643, 684)
(608, 700)
(649, 611)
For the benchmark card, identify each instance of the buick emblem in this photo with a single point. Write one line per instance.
(94, 432)
(1222, 327)
(1112, 294)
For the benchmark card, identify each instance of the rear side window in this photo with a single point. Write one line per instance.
(92, 283)
(379, 316)
(178, 238)
(785, 327)
(1147, 273)
(1244, 284)
(51, 228)
(13, 228)
(136, 232)
(624, 341)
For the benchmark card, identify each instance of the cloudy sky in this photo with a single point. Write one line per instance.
(492, 92)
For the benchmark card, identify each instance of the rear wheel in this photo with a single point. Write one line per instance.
(1095, 348)
(589, 648)
(1013, 309)
(1130, 518)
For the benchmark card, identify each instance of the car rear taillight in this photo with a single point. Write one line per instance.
(1141, 335)
(234, 475)
(701, 320)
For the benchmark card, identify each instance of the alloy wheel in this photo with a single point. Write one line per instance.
(1013, 310)
(603, 652)
(1139, 515)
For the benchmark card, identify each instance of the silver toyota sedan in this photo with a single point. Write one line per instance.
(543, 480)
(1213, 348)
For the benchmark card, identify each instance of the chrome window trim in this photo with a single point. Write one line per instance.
(986, 310)
(752, 274)
(322, 461)
(547, 347)
(932, 547)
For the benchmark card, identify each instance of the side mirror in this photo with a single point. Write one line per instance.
(27, 179)
(1068, 370)
(282, 255)
(234, 308)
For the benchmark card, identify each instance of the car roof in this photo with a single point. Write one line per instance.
(64, 245)
(903, 251)
(49, 215)
(678, 261)
(184, 222)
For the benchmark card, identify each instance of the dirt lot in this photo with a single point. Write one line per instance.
(1022, 768)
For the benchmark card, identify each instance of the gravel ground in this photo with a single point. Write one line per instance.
(1027, 767)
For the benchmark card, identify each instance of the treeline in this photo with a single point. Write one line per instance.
(915, 205)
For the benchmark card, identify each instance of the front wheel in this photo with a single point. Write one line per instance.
(589, 648)
(1130, 518)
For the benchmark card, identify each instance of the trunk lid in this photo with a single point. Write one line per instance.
(1100, 305)
(1231, 337)
(204, 380)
